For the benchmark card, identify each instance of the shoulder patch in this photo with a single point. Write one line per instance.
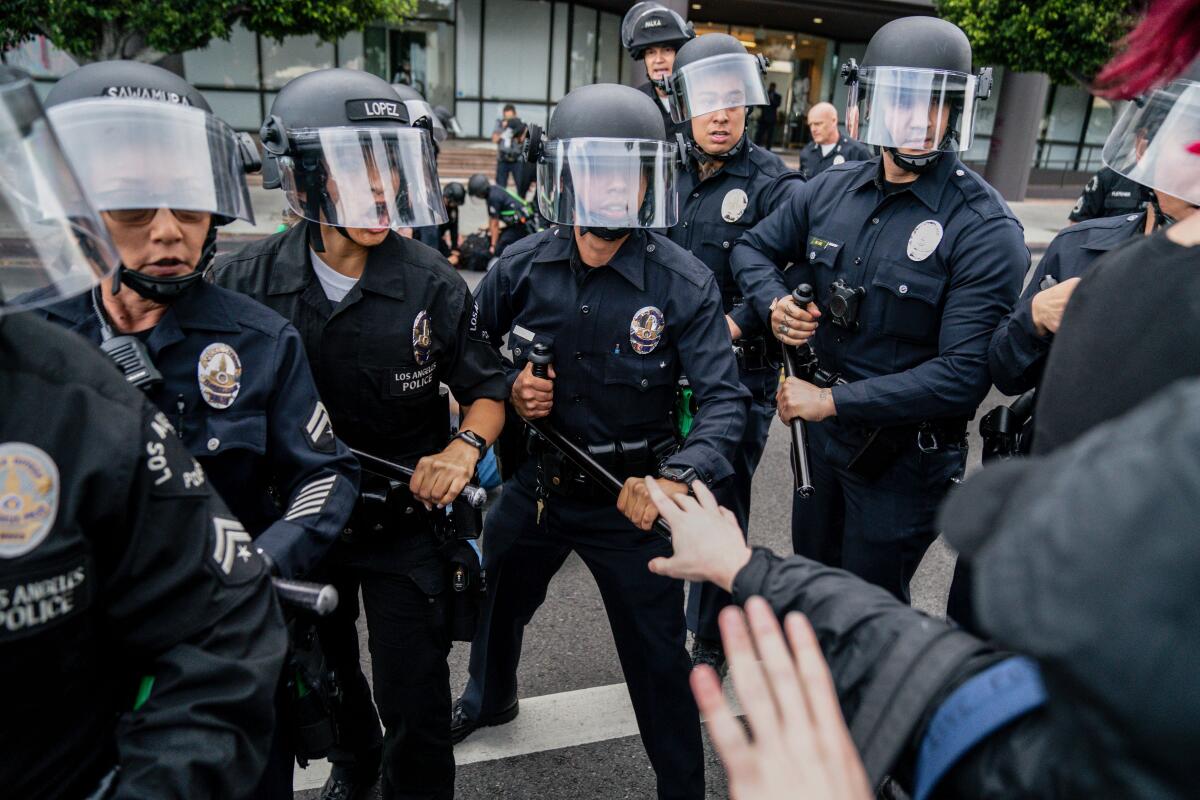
(35, 600)
(29, 496)
(173, 472)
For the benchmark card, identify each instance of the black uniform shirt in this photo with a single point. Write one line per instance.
(381, 353)
(941, 261)
(506, 207)
(620, 338)
(715, 212)
(1017, 353)
(238, 391)
(813, 161)
(1109, 194)
(118, 561)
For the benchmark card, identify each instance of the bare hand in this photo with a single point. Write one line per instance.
(439, 478)
(798, 746)
(792, 324)
(1049, 305)
(707, 539)
(735, 332)
(533, 397)
(635, 503)
(797, 398)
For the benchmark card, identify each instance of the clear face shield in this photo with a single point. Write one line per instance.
(53, 245)
(362, 177)
(725, 81)
(1157, 139)
(145, 154)
(608, 183)
(418, 109)
(913, 110)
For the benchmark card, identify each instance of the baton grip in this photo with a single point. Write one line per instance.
(540, 358)
(319, 598)
(802, 477)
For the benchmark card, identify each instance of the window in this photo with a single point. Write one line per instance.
(558, 52)
(296, 56)
(608, 65)
(516, 49)
(232, 64)
(467, 46)
(240, 109)
(583, 47)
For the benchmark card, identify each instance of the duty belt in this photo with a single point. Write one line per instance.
(752, 354)
(558, 476)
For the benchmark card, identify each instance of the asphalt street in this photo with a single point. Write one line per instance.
(575, 738)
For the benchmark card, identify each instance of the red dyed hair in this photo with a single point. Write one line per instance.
(1162, 45)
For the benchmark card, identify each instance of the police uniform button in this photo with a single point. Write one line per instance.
(725, 245)
(556, 480)
(904, 288)
(409, 509)
(858, 260)
(378, 528)
(812, 255)
(579, 356)
(577, 398)
(586, 309)
(695, 194)
(649, 248)
(214, 443)
(1131, 217)
(685, 224)
(959, 172)
(516, 351)
(347, 532)
(875, 221)
(644, 383)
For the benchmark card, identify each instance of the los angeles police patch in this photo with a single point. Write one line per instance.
(29, 485)
(422, 338)
(646, 329)
(219, 373)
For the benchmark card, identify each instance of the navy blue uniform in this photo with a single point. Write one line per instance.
(941, 260)
(238, 390)
(620, 336)
(1017, 354)
(513, 213)
(379, 357)
(1109, 194)
(813, 161)
(715, 212)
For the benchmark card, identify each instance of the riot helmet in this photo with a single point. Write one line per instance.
(1156, 141)
(915, 91)
(141, 138)
(347, 155)
(712, 72)
(449, 121)
(649, 24)
(53, 245)
(419, 109)
(603, 165)
(478, 186)
(454, 192)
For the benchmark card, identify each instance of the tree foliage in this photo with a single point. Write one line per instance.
(1067, 39)
(145, 30)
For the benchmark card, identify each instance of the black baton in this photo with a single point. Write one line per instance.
(802, 294)
(475, 496)
(582, 459)
(319, 598)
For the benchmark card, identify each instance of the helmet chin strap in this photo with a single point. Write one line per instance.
(708, 159)
(607, 234)
(167, 290)
(919, 164)
(1161, 218)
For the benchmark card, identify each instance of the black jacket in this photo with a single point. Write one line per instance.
(125, 565)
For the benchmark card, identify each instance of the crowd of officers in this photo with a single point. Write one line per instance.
(282, 413)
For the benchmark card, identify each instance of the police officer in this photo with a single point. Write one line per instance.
(623, 312)
(653, 33)
(140, 641)
(384, 321)
(727, 186)
(454, 194)
(829, 145)
(418, 109)
(1109, 194)
(228, 373)
(509, 216)
(914, 260)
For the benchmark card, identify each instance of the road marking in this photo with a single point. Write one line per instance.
(549, 722)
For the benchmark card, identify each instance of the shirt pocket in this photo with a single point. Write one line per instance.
(910, 301)
(521, 341)
(821, 251)
(641, 388)
(245, 432)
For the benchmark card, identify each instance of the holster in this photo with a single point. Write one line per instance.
(882, 446)
(754, 354)
(466, 584)
(310, 693)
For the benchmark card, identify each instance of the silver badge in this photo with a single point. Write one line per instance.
(646, 329)
(29, 485)
(422, 338)
(839, 159)
(734, 205)
(924, 240)
(219, 373)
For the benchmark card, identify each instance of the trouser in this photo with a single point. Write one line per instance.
(276, 780)
(766, 132)
(645, 611)
(705, 600)
(877, 529)
(506, 168)
(408, 643)
(508, 235)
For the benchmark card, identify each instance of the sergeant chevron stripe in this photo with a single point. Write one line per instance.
(317, 423)
(311, 498)
(230, 534)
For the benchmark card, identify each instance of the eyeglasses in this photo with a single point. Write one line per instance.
(143, 216)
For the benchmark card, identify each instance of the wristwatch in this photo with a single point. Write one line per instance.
(684, 475)
(475, 440)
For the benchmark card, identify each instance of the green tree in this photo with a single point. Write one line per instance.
(1069, 40)
(146, 30)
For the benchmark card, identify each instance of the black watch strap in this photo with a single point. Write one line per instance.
(475, 440)
(684, 475)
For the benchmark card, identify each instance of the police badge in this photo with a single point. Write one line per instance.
(924, 240)
(219, 372)
(646, 329)
(28, 497)
(422, 338)
(839, 159)
(734, 205)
